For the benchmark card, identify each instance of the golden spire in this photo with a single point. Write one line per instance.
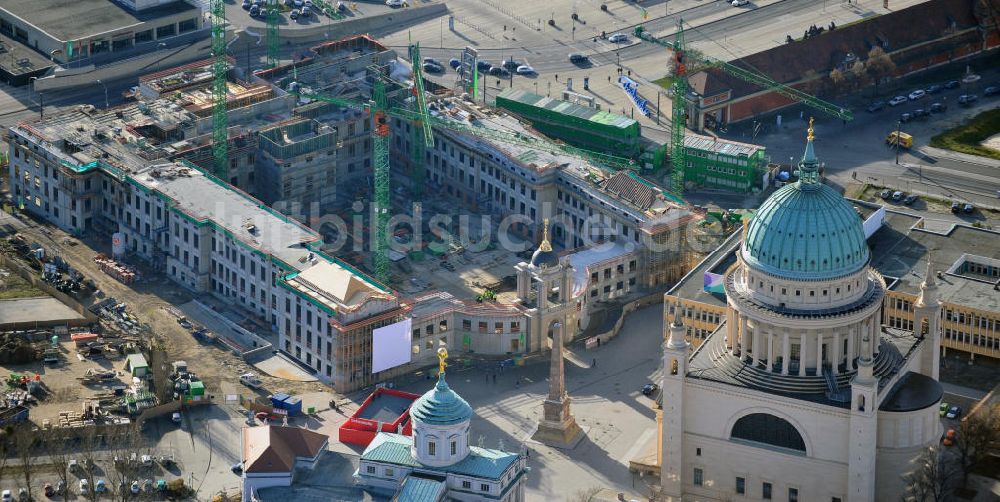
(545, 245)
(442, 355)
(810, 136)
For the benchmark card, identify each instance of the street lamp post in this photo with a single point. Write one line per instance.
(898, 124)
(106, 104)
(158, 47)
(41, 99)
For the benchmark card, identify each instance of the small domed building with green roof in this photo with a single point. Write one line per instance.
(801, 393)
(438, 463)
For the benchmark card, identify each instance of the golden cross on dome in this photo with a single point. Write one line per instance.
(442, 355)
(810, 136)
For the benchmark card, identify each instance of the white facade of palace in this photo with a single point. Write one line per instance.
(802, 394)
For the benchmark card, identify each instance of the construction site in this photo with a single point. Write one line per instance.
(339, 185)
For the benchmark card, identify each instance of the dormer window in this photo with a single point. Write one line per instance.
(432, 448)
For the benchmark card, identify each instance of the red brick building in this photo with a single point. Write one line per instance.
(915, 38)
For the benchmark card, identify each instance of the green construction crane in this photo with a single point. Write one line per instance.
(220, 67)
(678, 121)
(679, 88)
(422, 137)
(380, 133)
(273, 42)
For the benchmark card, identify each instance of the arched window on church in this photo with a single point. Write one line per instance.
(767, 429)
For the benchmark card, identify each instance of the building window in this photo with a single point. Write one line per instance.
(467, 485)
(741, 486)
(371, 469)
(482, 326)
(454, 448)
(766, 491)
(793, 494)
(697, 452)
(770, 430)
(698, 477)
(389, 472)
(484, 487)
(466, 324)
(432, 448)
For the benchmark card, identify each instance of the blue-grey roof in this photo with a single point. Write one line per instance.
(440, 406)
(394, 449)
(419, 489)
(806, 230)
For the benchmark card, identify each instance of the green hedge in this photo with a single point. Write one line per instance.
(966, 138)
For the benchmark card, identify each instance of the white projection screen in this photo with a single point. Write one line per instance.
(391, 345)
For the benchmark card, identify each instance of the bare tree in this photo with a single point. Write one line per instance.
(58, 447)
(837, 78)
(25, 442)
(879, 65)
(124, 445)
(90, 444)
(975, 435)
(932, 478)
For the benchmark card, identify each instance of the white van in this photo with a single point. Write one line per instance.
(250, 380)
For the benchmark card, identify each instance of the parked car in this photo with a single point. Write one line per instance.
(991, 90)
(294, 14)
(250, 380)
(938, 108)
(955, 207)
(6, 496)
(954, 412)
(951, 84)
(510, 64)
(525, 70)
(885, 194)
(84, 487)
(499, 71)
(876, 106)
(49, 490)
(934, 89)
(920, 112)
(897, 196)
(175, 417)
(147, 460)
(649, 389)
(394, 3)
(578, 58)
(967, 99)
(254, 11)
(483, 65)
(431, 60)
(100, 486)
(917, 94)
(949, 437)
(306, 11)
(898, 100)
(454, 63)
(618, 38)
(739, 3)
(135, 488)
(968, 208)
(906, 117)
(910, 199)
(246, 4)
(237, 469)
(432, 68)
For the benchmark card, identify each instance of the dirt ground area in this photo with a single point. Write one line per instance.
(61, 388)
(464, 274)
(147, 298)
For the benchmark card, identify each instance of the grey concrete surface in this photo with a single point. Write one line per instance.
(44, 309)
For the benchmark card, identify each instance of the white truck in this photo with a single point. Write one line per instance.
(250, 380)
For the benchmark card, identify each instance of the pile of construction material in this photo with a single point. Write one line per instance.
(120, 271)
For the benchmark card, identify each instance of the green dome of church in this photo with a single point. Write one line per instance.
(441, 406)
(806, 230)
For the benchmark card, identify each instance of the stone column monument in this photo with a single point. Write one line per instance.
(557, 428)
